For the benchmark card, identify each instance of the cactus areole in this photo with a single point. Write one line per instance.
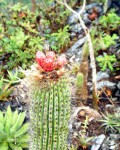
(49, 62)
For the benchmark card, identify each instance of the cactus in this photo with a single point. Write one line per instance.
(50, 104)
(49, 113)
(79, 80)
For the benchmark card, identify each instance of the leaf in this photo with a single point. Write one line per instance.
(18, 123)
(15, 116)
(3, 136)
(8, 120)
(1, 118)
(22, 130)
(4, 146)
(23, 139)
(24, 145)
(14, 147)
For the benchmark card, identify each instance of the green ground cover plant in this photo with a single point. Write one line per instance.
(60, 39)
(101, 40)
(111, 21)
(111, 122)
(106, 61)
(19, 36)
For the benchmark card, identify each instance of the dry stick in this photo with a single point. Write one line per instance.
(91, 50)
(108, 97)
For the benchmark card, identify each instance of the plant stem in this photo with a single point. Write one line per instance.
(90, 45)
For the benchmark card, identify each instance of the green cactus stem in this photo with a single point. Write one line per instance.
(49, 113)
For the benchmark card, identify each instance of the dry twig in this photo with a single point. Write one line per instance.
(91, 50)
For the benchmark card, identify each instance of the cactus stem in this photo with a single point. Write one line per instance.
(37, 136)
(58, 90)
(63, 118)
(47, 142)
(42, 120)
(53, 119)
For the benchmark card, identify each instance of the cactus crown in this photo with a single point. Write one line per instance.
(50, 62)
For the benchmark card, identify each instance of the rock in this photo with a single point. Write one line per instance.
(72, 34)
(81, 36)
(111, 143)
(99, 10)
(107, 84)
(90, 6)
(97, 142)
(86, 19)
(117, 94)
(118, 85)
(118, 54)
(78, 55)
(70, 52)
(72, 19)
(76, 28)
(20, 92)
(115, 4)
(102, 75)
(77, 125)
(93, 114)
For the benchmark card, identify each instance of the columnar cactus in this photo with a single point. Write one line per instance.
(49, 112)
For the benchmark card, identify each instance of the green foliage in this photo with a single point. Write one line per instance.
(73, 147)
(49, 112)
(106, 61)
(56, 14)
(109, 40)
(101, 40)
(83, 140)
(84, 125)
(13, 134)
(12, 77)
(60, 39)
(5, 90)
(17, 7)
(111, 122)
(111, 21)
(19, 36)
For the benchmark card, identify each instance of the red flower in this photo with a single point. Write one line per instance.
(40, 56)
(51, 55)
(61, 61)
(49, 62)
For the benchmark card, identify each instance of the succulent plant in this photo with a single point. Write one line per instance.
(12, 77)
(13, 134)
(111, 122)
(50, 106)
(5, 90)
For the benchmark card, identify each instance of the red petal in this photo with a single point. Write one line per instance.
(50, 54)
(61, 61)
(40, 56)
(48, 64)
